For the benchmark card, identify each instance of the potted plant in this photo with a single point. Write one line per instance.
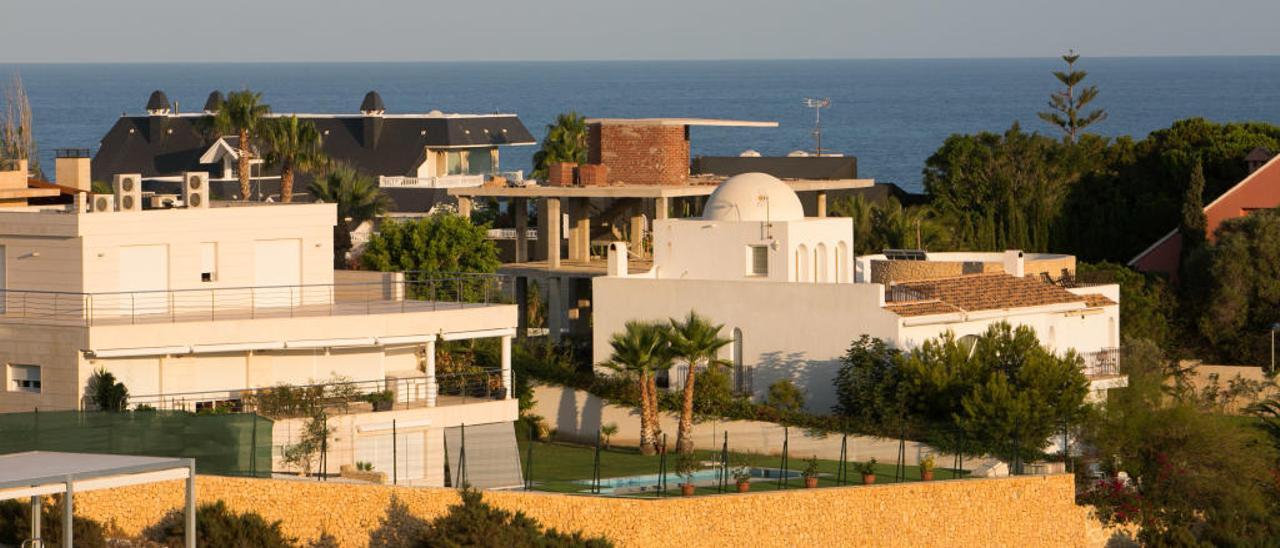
(868, 470)
(811, 472)
(742, 474)
(381, 401)
(926, 467)
(686, 466)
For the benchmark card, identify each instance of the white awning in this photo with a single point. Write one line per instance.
(142, 351)
(331, 343)
(236, 347)
(481, 334)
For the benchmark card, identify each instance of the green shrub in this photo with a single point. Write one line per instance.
(217, 525)
(785, 396)
(475, 523)
(15, 526)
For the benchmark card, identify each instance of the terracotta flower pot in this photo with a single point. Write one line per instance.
(926, 475)
(810, 482)
(868, 479)
(686, 489)
(744, 486)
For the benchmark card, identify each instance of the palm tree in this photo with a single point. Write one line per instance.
(359, 199)
(294, 146)
(566, 141)
(243, 114)
(696, 341)
(641, 350)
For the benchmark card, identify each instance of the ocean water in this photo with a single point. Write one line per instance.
(891, 114)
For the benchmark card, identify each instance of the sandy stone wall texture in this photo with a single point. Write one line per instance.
(1024, 511)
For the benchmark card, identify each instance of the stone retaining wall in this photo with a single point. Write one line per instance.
(1023, 511)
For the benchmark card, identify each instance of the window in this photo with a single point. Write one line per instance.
(24, 378)
(480, 161)
(758, 257)
(208, 261)
(455, 162)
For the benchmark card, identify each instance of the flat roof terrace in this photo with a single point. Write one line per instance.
(427, 294)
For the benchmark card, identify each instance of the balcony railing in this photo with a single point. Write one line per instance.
(444, 181)
(416, 292)
(1103, 363)
(292, 401)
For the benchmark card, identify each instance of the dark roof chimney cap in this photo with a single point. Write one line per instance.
(214, 102)
(158, 102)
(372, 104)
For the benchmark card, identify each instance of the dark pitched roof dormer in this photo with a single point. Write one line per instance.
(214, 103)
(372, 108)
(157, 115)
(1257, 158)
(158, 103)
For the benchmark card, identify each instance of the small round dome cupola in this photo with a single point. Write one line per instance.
(158, 103)
(753, 197)
(372, 104)
(214, 103)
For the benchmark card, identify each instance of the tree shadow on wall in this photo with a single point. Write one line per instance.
(398, 528)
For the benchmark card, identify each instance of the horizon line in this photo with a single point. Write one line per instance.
(635, 60)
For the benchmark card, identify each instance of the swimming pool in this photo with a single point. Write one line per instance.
(650, 482)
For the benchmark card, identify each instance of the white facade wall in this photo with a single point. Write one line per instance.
(721, 250)
(789, 330)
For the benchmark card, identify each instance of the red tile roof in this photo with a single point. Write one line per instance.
(994, 291)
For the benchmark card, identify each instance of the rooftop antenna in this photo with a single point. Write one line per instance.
(817, 105)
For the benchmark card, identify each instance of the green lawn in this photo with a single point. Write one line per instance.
(557, 464)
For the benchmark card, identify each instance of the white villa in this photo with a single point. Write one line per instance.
(192, 307)
(792, 297)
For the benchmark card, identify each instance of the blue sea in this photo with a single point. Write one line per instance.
(891, 114)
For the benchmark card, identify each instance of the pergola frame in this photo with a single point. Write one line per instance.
(34, 474)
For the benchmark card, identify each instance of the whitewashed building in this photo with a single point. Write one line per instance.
(792, 298)
(195, 307)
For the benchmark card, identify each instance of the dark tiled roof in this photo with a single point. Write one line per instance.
(157, 146)
(996, 291)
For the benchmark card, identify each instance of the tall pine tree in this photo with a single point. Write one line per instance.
(1068, 106)
(1194, 224)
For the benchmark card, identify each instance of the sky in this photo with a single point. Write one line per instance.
(476, 30)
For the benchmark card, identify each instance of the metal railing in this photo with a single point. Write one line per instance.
(901, 294)
(1103, 363)
(443, 181)
(294, 400)
(417, 292)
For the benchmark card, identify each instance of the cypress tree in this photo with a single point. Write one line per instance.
(1194, 224)
(1067, 106)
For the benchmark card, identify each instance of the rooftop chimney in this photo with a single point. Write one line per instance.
(372, 108)
(71, 168)
(1014, 263)
(1257, 158)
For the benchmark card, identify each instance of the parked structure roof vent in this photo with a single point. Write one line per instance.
(158, 103)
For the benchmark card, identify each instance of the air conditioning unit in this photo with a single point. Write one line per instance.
(195, 189)
(102, 203)
(128, 190)
(163, 201)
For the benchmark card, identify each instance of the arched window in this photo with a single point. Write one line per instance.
(802, 263)
(820, 274)
(842, 263)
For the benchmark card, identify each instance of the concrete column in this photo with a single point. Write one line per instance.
(522, 307)
(520, 207)
(36, 510)
(553, 220)
(464, 207)
(579, 230)
(540, 250)
(555, 307)
(68, 515)
(506, 368)
(822, 203)
(661, 207)
(637, 234)
(190, 532)
(432, 387)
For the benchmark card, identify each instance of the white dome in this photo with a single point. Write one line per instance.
(753, 197)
